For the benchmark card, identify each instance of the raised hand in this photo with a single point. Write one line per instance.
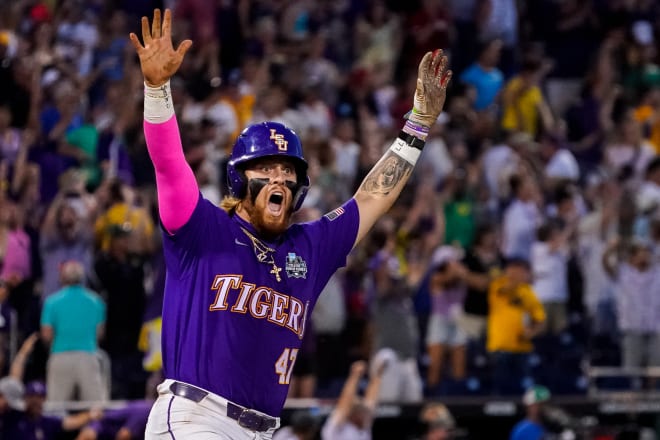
(158, 59)
(432, 80)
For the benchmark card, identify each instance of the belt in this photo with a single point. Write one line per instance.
(246, 418)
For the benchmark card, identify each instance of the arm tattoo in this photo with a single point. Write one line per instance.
(386, 175)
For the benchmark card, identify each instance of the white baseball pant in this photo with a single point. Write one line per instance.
(174, 417)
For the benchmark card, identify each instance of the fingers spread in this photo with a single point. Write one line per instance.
(435, 64)
(424, 65)
(183, 47)
(167, 24)
(156, 25)
(445, 79)
(136, 42)
(146, 33)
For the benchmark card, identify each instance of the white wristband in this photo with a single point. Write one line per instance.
(405, 151)
(158, 106)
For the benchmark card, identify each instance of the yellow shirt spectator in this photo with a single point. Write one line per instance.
(521, 107)
(137, 219)
(509, 308)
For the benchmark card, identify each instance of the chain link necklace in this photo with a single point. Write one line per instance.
(264, 253)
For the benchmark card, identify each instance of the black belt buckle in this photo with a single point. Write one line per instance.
(250, 419)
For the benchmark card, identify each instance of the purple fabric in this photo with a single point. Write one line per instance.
(213, 340)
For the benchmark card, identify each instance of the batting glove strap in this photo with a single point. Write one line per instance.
(412, 140)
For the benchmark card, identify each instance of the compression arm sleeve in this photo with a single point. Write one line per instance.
(178, 192)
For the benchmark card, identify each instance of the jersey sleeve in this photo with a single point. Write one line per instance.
(187, 244)
(334, 235)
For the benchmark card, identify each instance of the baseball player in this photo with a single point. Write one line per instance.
(241, 281)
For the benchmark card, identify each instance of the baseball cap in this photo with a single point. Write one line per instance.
(536, 394)
(35, 388)
(12, 390)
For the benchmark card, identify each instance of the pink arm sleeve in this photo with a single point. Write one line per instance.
(177, 187)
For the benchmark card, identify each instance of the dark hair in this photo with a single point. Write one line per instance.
(481, 232)
(653, 166)
(517, 261)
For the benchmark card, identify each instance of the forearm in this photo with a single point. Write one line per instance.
(177, 188)
(384, 183)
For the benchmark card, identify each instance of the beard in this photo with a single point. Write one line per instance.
(267, 225)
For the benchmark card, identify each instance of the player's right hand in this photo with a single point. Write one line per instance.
(158, 59)
(432, 80)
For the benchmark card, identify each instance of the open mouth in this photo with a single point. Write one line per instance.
(275, 203)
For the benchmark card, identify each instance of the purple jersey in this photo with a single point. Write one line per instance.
(235, 306)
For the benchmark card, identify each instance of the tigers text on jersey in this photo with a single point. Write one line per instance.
(236, 306)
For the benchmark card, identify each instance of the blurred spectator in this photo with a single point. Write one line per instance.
(523, 104)
(516, 316)
(481, 264)
(594, 232)
(499, 19)
(637, 282)
(531, 428)
(304, 426)
(34, 425)
(428, 28)
(521, 218)
(121, 210)
(377, 35)
(627, 153)
(121, 279)
(444, 337)
(393, 321)
(484, 75)
(459, 205)
(648, 196)
(559, 162)
(647, 113)
(125, 423)
(353, 416)
(66, 235)
(72, 321)
(549, 263)
(438, 422)
(7, 324)
(16, 264)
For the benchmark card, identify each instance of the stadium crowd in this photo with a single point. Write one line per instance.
(525, 250)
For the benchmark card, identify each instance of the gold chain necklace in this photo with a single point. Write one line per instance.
(263, 252)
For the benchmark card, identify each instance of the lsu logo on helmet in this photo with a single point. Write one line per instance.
(278, 139)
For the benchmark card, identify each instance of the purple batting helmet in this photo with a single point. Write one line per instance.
(266, 139)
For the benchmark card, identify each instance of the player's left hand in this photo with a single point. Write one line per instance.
(158, 59)
(433, 78)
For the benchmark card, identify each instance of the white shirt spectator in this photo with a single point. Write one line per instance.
(521, 219)
(346, 157)
(638, 298)
(435, 160)
(332, 430)
(591, 247)
(499, 162)
(648, 196)
(550, 273)
(563, 165)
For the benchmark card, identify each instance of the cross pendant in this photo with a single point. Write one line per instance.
(276, 271)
